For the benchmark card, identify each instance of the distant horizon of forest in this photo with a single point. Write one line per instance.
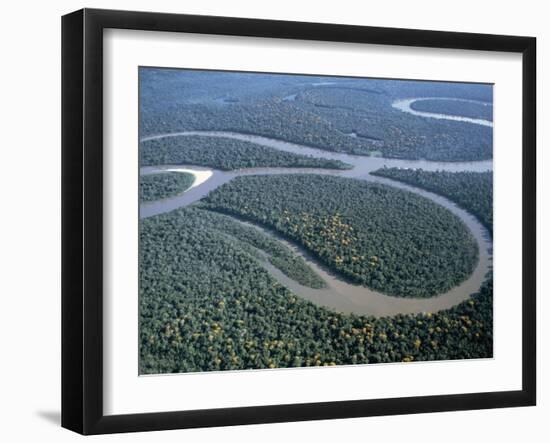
(266, 255)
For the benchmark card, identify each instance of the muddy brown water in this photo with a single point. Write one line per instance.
(340, 295)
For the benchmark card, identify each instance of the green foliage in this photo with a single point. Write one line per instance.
(278, 254)
(388, 239)
(319, 116)
(163, 185)
(453, 107)
(395, 133)
(206, 304)
(224, 153)
(206, 300)
(471, 190)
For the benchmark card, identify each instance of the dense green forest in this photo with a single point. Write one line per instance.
(163, 185)
(162, 89)
(471, 190)
(277, 253)
(267, 117)
(452, 107)
(388, 239)
(225, 154)
(208, 298)
(207, 304)
(396, 133)
(320, 113)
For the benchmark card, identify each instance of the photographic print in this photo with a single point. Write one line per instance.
(291, 221)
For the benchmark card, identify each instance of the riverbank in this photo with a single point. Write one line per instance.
(340, 295)
(405, 106)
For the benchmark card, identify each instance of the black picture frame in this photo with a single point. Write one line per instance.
(82, 215)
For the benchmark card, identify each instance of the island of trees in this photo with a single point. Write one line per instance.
(388, 239)
(225, 153)
(163, 185)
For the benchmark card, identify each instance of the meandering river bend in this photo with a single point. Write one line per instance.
(405, 106)
(339, 294)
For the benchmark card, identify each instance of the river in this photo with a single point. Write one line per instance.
(339, 295)
(405, 106)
